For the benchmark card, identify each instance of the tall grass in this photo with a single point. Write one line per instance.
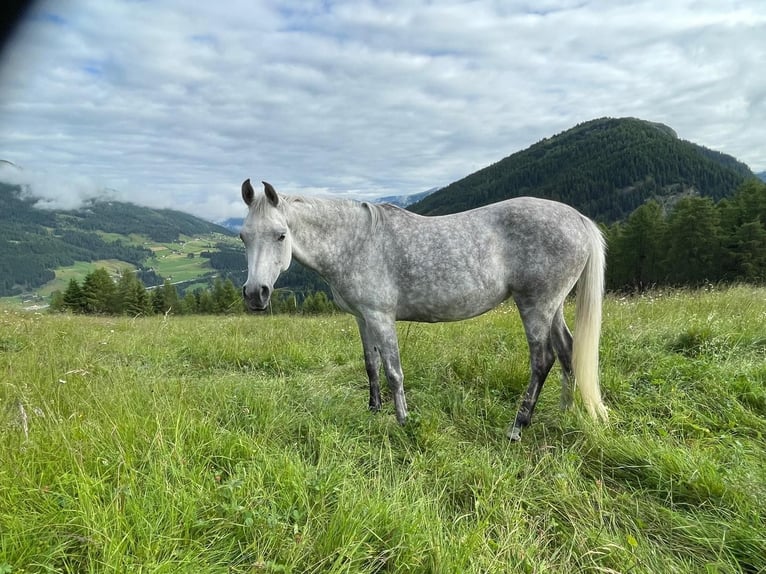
(243, 445)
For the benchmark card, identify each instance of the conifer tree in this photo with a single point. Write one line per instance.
(99, 292)
(189, 303)
(164, 299)
(206, 305)
(132, 295)
(57, 303)
(693, 242)
(73, 297)
(231, 299)
(640, 249)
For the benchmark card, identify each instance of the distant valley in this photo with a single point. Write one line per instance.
(41, 250)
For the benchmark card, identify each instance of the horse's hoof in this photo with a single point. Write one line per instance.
(514, 434)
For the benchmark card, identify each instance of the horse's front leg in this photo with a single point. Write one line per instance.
(381, 332)
(371, 364)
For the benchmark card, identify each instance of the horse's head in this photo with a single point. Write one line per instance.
(268, 244)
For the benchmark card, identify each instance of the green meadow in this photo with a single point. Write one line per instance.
(242, 444)
(180, 261)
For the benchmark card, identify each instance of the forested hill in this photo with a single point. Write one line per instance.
(605, 167)
(34, 242)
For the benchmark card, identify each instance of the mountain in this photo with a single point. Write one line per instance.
(232, 223)
(761, 175)
(605, 167)
(406, 200)
(34, 242)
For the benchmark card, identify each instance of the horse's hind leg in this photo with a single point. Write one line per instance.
(562, 344)
(537, 325)
(371, 364)
(541, 361)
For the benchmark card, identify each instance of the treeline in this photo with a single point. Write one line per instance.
(695, 242)
(99, 294)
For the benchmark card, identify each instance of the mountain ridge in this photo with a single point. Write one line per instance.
(605, 167)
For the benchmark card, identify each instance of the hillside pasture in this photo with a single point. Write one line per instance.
(180, 261)
(242, 444)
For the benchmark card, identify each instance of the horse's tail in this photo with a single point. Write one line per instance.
(590, 292)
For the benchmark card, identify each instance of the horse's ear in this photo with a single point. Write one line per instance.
(248, 193)
(271, 193)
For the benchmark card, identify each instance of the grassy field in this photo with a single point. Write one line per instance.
(172, 261)
(243, 445)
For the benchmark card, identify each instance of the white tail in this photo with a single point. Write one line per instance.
(590, 292)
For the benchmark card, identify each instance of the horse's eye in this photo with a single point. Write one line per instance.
(281, 237)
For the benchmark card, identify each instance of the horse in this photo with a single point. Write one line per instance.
(386, 264)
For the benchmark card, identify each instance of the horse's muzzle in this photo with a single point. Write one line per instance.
(258, 299)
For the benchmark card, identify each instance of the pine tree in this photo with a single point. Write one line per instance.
(170, 296)
(218, 295)
(206, 304)
(189, 303)
(132, 295)
(231, 299)
(749, 252)
(164, 298)
(694, 253)
(138, 302)
(74, 299)
(99, 292)
(640, 248)
(157, 301)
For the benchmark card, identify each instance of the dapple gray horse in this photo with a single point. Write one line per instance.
(386, 264)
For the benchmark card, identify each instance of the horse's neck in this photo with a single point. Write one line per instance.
(324, 231)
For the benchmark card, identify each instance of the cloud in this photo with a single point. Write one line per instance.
(174, 105)
(54, 191)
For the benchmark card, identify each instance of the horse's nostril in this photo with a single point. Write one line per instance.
(244, 291)
(265, 291)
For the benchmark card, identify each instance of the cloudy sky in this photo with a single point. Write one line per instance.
(171, 103)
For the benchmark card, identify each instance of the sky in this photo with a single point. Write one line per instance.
(171, 103)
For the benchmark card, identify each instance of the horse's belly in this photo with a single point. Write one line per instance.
(452, 305)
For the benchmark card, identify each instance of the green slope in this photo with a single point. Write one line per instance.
(605, 167)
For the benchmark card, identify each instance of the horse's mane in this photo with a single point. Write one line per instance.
(376, 211)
